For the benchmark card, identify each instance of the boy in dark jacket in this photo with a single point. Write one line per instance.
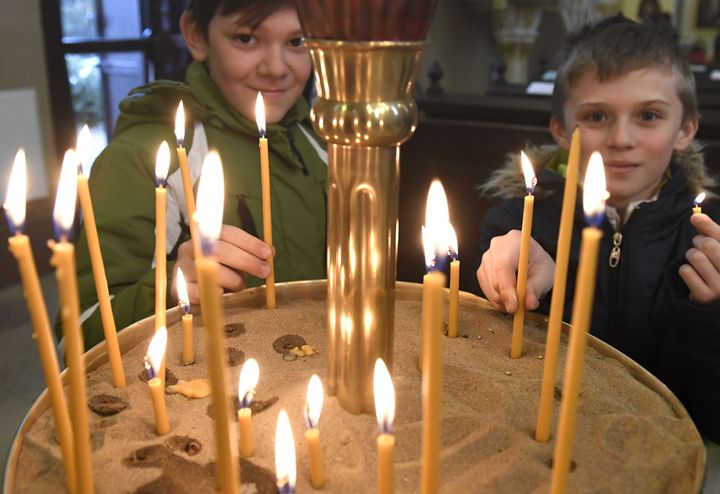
(631, 93)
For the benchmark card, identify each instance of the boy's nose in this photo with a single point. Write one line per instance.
(622, 134)
(274, 63)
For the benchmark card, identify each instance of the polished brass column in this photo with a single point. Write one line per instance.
(364, 112)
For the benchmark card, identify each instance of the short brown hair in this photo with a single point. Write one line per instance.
(616, 46)
(254, 12)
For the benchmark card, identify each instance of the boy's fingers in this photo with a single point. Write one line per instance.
(705, 225)
(704, 268)
(240, 238)
(505, 278)
(239, 259)
(710, 247)
(699, 291)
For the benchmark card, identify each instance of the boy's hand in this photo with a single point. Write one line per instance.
(238, 253)
(498, 269)
(702, 273)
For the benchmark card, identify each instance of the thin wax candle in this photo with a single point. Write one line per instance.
(385, 413)
(19, 245)
(186, 179)
(98, 268)
(153, 363)
(557, 302)
(519, 317)
(249, 375)
(211, 192)
(63, 258)
(594, 196)
(267, 212)
(313, 407)
(162, 164)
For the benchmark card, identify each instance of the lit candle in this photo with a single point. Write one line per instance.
(98, 269)
(454, 284)
(162, 164)
(267, 213)
(557, 302)
(313, 407)
(436, 226)
(519, 317)
(696, 203)
(594, 196)
(211, 193)
(385, 413)
(188, 353)
(186, 180)
(437, 220)
(63, 259)
(153, 363)
(249, 375)
(19, 245)
(285, 468)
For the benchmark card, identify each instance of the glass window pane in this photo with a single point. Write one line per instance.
(98, 82)
(100, 19)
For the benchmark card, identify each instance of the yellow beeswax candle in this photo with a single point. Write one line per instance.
(101, 286)
(19, 245)
(153, 362)
(384, 394)
(454, 286)
(162, 164)
(285, 463)
(424, 324)
(594, 195)
(557, 302)
(698, 200)
(267, 213)
(249, 375)
(313, 407)
(519, 317)
(63, 259)
(211, 192)
(432, 388)
(186, 180)
(188, 352)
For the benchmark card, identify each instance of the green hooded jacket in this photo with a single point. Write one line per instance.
(122, 186)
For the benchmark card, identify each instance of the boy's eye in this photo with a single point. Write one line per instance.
(243, 38)
(595, 117)
(297, 42)
(649, 116)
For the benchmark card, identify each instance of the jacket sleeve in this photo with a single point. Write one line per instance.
(698, 332)
(122, 188)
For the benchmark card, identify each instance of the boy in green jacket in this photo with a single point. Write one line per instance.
(239, 48)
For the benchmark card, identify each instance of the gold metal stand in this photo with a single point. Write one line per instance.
(365, 112)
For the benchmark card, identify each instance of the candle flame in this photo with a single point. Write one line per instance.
(64, 211)
(594, 190)
(452, 242)
(384, 397)
(700, 198)
(260, 114)
(437, 219)
(210, 200)
(162, 164)
(156, 350)
(285, 468)
(528, 172)
(16, 198)
(313, 402)
(82, 148)
(183, 298)
(249, 376)
(180, 125)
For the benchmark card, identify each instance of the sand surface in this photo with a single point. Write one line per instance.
(629, 439)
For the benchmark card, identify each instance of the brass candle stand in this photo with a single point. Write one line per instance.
(364, 112)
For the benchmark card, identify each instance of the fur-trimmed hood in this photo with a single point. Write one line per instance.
(508, 181)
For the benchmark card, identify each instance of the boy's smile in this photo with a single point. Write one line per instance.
(635, 122)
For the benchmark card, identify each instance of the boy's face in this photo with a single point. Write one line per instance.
(242, 62)
(635, 122)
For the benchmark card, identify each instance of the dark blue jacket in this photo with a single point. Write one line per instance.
(641, 306)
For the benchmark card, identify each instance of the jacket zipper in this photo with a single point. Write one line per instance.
(615, 251)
